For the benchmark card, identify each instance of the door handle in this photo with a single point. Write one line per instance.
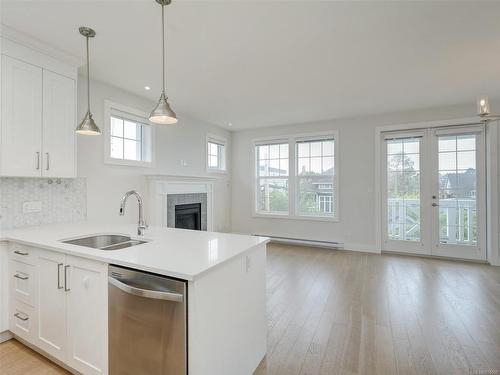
(154, 294)
(435, 205)
(66, 289)
(18, 316)
(48, 161)
(20, 253)
(59, 286)
(17, 276)
(37, 160)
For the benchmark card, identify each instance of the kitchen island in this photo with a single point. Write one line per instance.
(224, 274)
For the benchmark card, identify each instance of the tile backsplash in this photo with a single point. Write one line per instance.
(62, 200)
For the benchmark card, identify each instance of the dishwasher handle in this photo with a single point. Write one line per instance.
(167, 296)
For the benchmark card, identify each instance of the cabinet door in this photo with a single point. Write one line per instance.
(21, 128)
(51, 333)
(59, 111)
(87, 314)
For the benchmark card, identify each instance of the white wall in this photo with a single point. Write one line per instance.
(356, 228)
(106, 184)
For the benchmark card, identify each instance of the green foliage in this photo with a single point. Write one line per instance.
(402, 179)
(278, 200)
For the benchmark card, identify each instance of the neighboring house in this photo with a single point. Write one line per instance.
(318, 187)
(458, 185)
(321, 187)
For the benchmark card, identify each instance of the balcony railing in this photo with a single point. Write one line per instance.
(457, 220)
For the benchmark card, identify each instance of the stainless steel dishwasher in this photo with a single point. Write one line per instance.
(147, 324)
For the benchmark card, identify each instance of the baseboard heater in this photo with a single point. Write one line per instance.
(301, 241)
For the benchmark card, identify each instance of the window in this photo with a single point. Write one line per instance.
(309, 191)
(325, 204)
(315, 170)
(272, 178)
(216, 155)
(128, 136)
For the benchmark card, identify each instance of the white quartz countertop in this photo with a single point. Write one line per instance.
(180, 253)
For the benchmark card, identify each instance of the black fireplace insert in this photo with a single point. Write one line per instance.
(188, 216)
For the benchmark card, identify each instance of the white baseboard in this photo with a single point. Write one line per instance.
(5, 336)
(364, 248)
(304, 242)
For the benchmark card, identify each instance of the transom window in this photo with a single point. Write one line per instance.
(126, 139)
(129, 139)
(216, 154)
(309, 190)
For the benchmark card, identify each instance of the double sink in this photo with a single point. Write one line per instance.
(105, 241)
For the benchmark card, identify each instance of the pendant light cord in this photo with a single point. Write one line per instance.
(88, 76)
(163, 45)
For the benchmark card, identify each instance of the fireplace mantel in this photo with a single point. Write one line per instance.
(162, 185)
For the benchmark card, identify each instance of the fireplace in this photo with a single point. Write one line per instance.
(188, 216)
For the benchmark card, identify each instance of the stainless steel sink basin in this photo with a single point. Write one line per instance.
(105, 241)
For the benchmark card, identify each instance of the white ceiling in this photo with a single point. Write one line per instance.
(260, 63)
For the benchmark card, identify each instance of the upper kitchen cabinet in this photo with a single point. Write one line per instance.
(38, 118)
(21, 133)
(58, 135)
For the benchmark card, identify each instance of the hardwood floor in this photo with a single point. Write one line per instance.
(17, 359)
(334, 312)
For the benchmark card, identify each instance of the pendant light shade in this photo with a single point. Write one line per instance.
(163, 113)
(88, 125)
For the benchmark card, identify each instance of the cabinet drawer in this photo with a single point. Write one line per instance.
(22, 320)
(22, 253)
(22, 282)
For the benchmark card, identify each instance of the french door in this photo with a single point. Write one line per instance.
(433, 192)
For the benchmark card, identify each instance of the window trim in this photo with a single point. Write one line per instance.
(220, 140)
(109, 106)
(292, 213)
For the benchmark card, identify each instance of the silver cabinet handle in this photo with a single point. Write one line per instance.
(167, 296)
(23, 318)
(59, 286)
(37, 160)
(48, 161)
(21, 277)
(20, 253)
(66, 289)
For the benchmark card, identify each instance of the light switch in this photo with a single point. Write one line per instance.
(32, 207)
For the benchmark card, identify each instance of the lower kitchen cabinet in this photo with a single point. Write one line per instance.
(87, 315)
(51, 304)
(68, 318)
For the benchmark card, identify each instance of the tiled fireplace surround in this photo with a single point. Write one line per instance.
(167, 191)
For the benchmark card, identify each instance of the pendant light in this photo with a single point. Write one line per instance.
(162, 113)
(88, 126)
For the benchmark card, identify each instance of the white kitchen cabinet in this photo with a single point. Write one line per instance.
(22, 320)
(38, 119)
(59, 304)
(58, 136)
(72, 311)
(4, 292)
(21, 131)
(23, 279)
(87, 316)
(51, 304)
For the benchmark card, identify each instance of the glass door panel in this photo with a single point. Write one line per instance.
(403, 181)
(459, 183)
(457, 190)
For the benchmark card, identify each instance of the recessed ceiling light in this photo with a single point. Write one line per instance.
(229, 124)
(147, 88)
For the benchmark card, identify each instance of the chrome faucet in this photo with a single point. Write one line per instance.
(141, 224)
